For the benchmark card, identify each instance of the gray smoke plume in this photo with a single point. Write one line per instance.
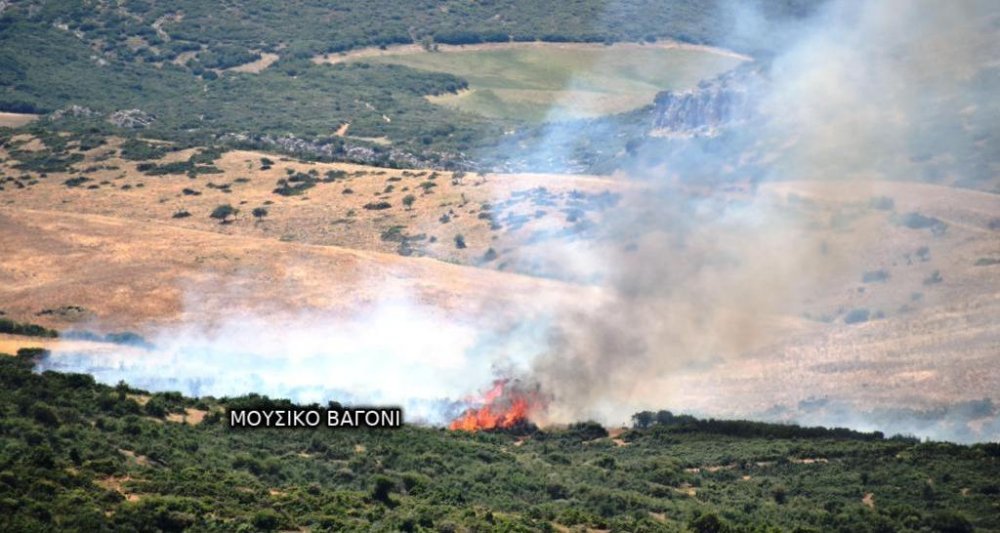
(862, 93)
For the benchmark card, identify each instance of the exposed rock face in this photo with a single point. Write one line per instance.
(131, 118)
(73, 111)
(716, 104)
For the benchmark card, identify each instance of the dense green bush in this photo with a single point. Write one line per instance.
(32, 330)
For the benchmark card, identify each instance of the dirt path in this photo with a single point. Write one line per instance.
(266, 60)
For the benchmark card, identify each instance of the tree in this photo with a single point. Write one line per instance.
(259, 212)
(266, 520)
(780, 494)
(642, 419)
(408, 201)
(459, 241)
(223, 212)
(381, 488)
(708, 523)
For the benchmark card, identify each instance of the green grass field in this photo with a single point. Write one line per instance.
(539, 82)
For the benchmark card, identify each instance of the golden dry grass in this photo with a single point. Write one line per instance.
(16, 120)
(120, 254)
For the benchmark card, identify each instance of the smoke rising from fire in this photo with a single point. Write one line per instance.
(857, 93)
(394, 353)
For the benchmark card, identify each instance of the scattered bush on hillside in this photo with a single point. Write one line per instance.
(393, 234)
(136, 150)
(408, 201)
(76, 182)
(914, 220)
(875, 276)
(856, 316)
(223, 212)
(934, 278)
(31, 330)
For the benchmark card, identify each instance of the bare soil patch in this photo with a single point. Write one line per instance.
(266, 60)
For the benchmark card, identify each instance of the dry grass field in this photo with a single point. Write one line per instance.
(110, 254)
(15, 120)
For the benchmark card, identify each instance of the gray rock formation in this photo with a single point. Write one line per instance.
(716, 104)
(131, 118)
(73, 111)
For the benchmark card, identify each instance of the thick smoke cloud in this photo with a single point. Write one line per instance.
(394, 353)
(858, 92)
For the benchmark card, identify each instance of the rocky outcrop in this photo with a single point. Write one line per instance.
(712, 106)
(131, 118)
(73, 111)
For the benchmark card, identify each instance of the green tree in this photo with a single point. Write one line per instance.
(408, 201)
(223, 212)
(381, 488)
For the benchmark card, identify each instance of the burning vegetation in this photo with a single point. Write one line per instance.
(508, 405)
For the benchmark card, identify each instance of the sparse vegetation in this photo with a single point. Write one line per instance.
(31, 330)
(136, 150)
(875, 276)
(857, 316)
(77, 181)
(914, 220)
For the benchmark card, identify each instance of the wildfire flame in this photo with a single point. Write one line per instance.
(501, 407)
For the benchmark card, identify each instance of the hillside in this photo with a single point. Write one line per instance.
(879, 319)
(538, 230)
(113, 457)
(197, 71)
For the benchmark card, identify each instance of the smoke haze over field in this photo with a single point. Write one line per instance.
(861, 91)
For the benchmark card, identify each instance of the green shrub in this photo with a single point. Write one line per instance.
(856, 316)
(223, 212)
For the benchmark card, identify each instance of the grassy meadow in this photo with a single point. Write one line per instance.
(552, 82)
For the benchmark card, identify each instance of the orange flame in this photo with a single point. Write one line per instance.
(501, 408)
